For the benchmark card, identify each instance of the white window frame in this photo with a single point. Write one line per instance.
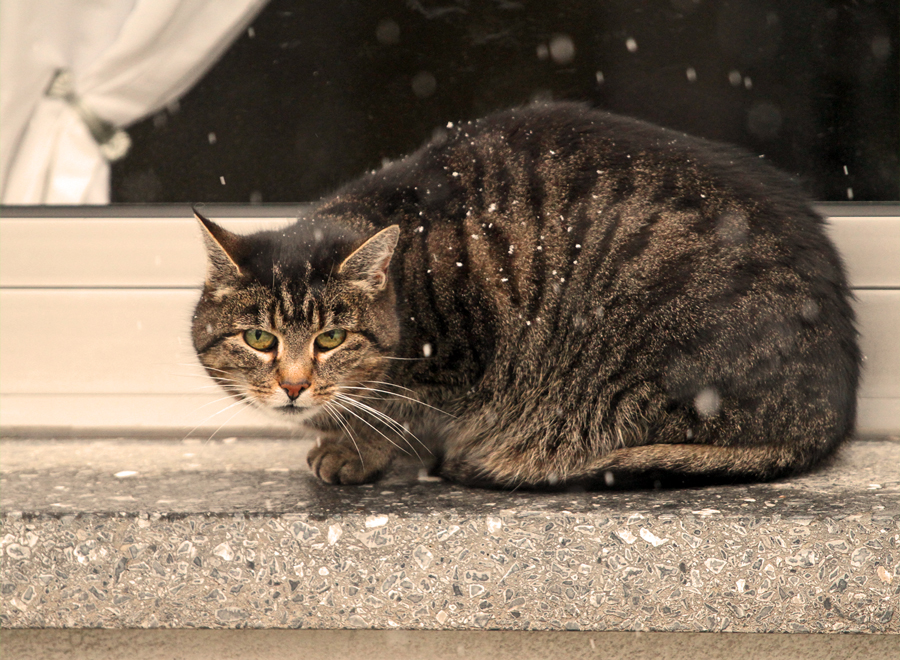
(96, 301)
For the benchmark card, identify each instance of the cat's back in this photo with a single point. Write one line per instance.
(534, 162)
(561, 202)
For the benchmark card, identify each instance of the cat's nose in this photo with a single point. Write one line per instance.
(294, 388)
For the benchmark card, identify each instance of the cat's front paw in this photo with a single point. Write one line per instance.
(335, 463)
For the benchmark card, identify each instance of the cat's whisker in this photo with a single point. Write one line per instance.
(384, 382)
(344, 425)
(388, 421)
(400, 396)
(198, 375)
(341, 422)
(221, 380)
(197, 364)
(209, 403)
(348, 410)
(399, 428)
(218, 384)
(236, 413)
(242, 400)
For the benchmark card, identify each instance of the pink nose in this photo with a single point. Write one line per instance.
(294, 388)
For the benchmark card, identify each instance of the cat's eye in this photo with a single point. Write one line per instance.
(331, 339)
(260, 339)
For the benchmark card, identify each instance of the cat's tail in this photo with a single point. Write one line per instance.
(701, 463)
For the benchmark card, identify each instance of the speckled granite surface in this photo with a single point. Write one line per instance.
(141, 533)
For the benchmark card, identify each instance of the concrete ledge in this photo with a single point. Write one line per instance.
(81, 644)
(149, 533)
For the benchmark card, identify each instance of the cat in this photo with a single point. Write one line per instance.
(551, 296)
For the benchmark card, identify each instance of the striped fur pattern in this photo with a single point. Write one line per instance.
(551, 295)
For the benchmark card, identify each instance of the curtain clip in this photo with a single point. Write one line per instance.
(114, 142)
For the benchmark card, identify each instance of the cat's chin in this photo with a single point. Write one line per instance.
(294, 413)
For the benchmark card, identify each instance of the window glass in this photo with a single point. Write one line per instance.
(314, 93)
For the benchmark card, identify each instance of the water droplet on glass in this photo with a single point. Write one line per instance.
(423, 84)
(732, 228)
(707, 402)
(881, 47)
(764, 120)
(809, 310)
(562, 49)
(387, 32)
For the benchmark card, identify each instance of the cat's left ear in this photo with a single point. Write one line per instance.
(367, 266)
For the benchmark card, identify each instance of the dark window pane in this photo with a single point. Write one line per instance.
(315, 93)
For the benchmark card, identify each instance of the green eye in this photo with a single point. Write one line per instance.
(260, 339)
(331, 339)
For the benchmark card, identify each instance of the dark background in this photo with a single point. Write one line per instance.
(315, 93)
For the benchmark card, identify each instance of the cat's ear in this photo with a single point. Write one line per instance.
(367, 266)
(222, 247)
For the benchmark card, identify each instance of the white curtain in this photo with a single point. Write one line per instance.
(111, 63)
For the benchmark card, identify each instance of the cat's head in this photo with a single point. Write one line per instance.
(289, 317)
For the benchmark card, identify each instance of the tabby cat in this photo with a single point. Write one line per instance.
(549, 296)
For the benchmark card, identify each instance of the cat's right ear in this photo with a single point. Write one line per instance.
(223, 248)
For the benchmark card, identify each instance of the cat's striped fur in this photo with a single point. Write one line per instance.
(572, 293)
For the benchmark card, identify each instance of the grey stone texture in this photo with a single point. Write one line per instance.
(133, 533)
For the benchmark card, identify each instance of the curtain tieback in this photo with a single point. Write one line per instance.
(114, 142)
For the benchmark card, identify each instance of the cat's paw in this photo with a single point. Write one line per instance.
(335, 463)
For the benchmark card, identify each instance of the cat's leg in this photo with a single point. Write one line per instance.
(349, 451)
(361, 443)
(514, 442)
(337, 461)
(345, 460)
(538, 450)
(558, 437)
